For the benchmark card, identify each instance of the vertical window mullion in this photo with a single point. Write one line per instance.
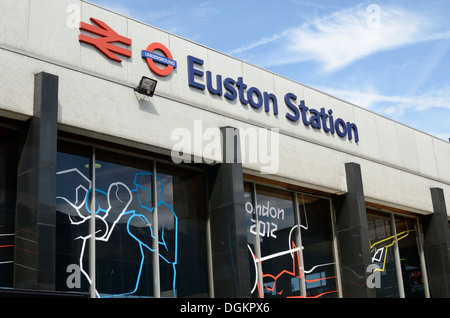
(398, 266)
(423, 267)
(209, 255)
(335, 249)
(92, 256)
(257, 243)
(299, 244)
(155, 255)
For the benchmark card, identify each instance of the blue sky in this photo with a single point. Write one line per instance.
(392, 57)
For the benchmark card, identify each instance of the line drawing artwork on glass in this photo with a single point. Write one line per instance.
(394, 250)
(295, 272)
(380, 251)
(121, 203)
(288, 259)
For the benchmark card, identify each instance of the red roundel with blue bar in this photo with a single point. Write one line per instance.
(166, 59)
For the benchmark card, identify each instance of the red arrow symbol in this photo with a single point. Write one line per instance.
(103, 43)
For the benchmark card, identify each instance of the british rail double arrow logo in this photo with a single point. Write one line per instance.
(104, 43)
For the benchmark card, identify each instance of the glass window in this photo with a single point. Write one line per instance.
(284, 263)
(317, 242)
(129, 239)
(8, 184)
(72, 218)
(409, 257)
(182, 230)
(124, 218)
(393, 265)
(280, 255)
(382, 241)
(252, 238)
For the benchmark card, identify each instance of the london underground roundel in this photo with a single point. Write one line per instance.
(166, 59)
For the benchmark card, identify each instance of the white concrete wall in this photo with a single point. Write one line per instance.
(399, 164)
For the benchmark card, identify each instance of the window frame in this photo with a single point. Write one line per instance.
(293, 191)
(420, 247)
(93, 145)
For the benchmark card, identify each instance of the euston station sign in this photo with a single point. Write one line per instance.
(233, 89)
(230, 88)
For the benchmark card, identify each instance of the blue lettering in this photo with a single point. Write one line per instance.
(324, 116)
(287, 100)
(352, 127)
(241, 87)
(252, 91)
(341, 127)
(218, 90)
(233, 89)
(315, 118)
(192, 72)
(231, 93)
(303, 110)
(270, 97)
(158, 58)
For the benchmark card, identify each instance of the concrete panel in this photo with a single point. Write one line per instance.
(17, 82)
(219, 64)
(426, 157)
(441, 154)
(312, 165)
(14, 24)
(395, 188)
(367, 126)
(50, 34)
(345, 111)
(409, 156)
(387, 141)
(181, 48)
(262, 82)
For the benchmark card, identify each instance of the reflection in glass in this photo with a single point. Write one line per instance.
(182, 228)
(409, 257)
(72, 220)
(9, 159)
(316, 233)
(254, 252)
(280, 256)
(290, 255)
(126, 238)
(382, 242)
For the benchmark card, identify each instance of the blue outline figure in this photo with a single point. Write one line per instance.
(144, 198)
(118, 199)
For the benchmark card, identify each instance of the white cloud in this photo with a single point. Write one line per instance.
(344, 37)
(393, 104)
(425, 112)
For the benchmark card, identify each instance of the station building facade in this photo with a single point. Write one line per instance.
(226, 181)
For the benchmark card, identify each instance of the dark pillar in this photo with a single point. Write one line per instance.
(231, 272)
(34, 258)
(437, 246)
(352, 235)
